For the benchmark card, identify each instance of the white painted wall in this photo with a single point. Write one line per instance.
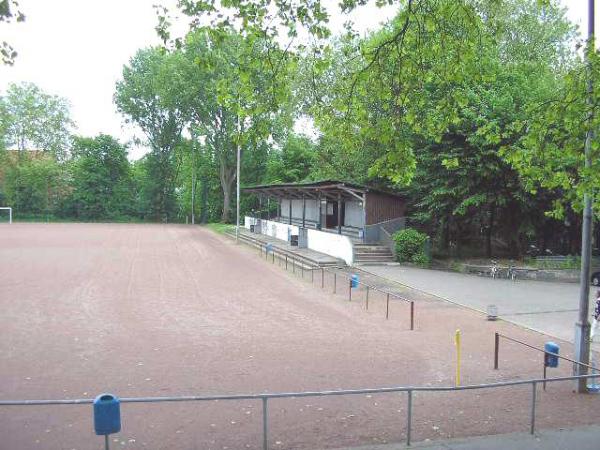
(336, 245)
(354, 215)
(312, 209)
(271, 228)
(277, 229)
(285, 208)
(249, 221)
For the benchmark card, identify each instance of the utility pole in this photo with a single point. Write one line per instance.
(582, 327)
(193, 171)
(237, 177)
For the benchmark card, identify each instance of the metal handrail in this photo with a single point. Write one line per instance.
(497, 350)
(266, 396)
(289, 256)
(382, 390)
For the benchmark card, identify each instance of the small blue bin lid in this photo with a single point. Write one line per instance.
(551, 347)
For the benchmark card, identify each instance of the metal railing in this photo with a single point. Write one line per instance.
(264, 398)
(497, 337)
(299, 264)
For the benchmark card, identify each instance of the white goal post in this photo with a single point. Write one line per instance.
(9, 212)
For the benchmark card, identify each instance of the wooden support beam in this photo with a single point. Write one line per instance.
(303, 211)
(320, 222)
(339, 213)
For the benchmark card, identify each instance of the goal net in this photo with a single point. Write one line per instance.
(5, 214)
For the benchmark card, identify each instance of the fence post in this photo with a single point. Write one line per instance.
(286, 262)
(322, 277)
(106, 442)
(302, 269)
(293, 265)
(265, 427)
(409, 417)
(367, 297)
(273, 262)
(496, 349)
(312, 275)
(350, 290)
(412, 315)
(544, 362)
(387, 306)
(533, 398)
(334, 282)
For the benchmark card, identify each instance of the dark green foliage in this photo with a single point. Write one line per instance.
(101, 181)
(296, 161)
(33, 184)
(145, 97)
(410, 246)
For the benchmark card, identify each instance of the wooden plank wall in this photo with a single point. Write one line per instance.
(382, 207)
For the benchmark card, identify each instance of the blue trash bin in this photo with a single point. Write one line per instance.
(354, 280)
(551, 360)
(107, 414)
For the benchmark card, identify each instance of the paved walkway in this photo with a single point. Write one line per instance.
(547, 307)
(585, 438)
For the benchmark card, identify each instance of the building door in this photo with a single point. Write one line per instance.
(331, 219)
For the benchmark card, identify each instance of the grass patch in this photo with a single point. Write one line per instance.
(221, 228)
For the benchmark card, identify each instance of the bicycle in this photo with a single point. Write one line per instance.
(494, 269)
(511, 272)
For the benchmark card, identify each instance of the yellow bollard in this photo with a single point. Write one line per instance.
(457, 343)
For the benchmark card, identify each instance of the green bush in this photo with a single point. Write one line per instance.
(410, 246)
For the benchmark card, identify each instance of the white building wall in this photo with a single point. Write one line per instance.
(336, 245)
(285, 208)
(354, 215)
(271, 228)
(296, 209)
(312, 209)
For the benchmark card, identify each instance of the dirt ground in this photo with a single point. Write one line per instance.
(155, 310)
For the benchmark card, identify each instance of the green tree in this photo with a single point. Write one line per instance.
(235, 91)
(437, 111)
(35, 120)
(101, 179)
(550, 152)
(34, 184)
(295, 161)
(142, 96)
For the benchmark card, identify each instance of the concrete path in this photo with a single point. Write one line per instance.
(548, 307)
(585, 438)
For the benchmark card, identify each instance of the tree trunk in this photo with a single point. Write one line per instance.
(488, 243)
(227, 184)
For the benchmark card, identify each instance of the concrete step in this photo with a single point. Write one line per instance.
(373, 252)
(370, 248)
(377, 258)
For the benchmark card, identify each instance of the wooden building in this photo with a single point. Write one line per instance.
(345, 208)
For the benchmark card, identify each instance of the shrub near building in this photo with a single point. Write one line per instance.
(410, 246)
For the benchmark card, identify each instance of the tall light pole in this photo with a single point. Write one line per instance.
(582, 327)
(237, 187)
(193, 172)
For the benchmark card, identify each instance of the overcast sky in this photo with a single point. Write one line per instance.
(77, 48)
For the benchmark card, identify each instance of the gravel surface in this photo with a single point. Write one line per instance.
(154, 310)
